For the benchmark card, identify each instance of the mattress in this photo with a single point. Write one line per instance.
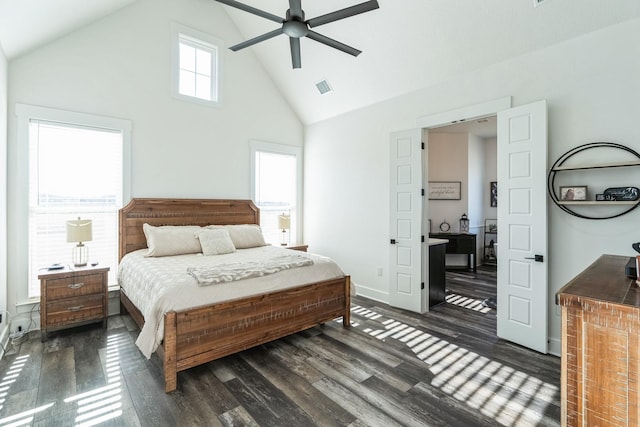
(157, 285)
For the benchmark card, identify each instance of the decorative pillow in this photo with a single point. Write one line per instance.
(171, 239)
(243, 236)
(215, 241)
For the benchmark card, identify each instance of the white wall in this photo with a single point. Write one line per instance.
(3, 193)
(592, 90)
(477, 185)
(120, 67)
(448, 161)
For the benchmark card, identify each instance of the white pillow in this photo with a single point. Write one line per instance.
(171, 239)
(243, 236)
(215, 241)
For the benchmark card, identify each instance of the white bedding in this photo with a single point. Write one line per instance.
(157, 285)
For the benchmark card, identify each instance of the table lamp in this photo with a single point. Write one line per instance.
(79, 231)
(284, 223)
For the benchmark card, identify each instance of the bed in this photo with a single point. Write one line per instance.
(196, 335)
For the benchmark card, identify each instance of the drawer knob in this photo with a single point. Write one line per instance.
(76, 308)
(76, 285)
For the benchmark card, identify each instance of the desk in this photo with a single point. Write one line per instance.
(460, 243)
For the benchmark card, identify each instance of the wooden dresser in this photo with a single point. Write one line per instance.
(73, 297)
(600, 345)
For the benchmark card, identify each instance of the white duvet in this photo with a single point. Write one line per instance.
(157, 285)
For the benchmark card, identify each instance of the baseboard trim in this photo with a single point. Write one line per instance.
(555, 347)
(373, 294)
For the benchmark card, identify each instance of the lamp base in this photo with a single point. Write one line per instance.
(80, 255)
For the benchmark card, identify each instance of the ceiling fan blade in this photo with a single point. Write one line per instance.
(258, 39)
(295, 6)
(343, 13)
(296, 60)
(333, 43)
(253, 10)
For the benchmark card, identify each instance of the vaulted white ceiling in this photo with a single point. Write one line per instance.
(406, 44)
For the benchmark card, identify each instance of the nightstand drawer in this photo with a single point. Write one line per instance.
(73, 310)
(75, 286)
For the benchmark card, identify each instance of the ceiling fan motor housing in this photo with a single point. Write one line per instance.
(295, 28)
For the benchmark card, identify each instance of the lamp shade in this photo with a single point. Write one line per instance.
(79, 230)
(284, 222)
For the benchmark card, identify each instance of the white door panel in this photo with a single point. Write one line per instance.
(522, 221)
(405, 228)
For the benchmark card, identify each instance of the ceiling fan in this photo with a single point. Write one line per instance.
(295, 26)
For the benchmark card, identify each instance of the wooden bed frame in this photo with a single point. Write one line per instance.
(201, 334)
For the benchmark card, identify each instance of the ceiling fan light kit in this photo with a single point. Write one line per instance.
(295, 26)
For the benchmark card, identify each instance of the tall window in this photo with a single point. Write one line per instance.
(75, 170)
(276, 189)
(196, 66)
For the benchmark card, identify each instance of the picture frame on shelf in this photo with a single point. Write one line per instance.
(575, 192)
(493, 194)
(491, 225)
(445, 190)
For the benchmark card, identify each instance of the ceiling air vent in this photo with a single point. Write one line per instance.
(323, 87)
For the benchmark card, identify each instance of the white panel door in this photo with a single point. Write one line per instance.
(522, 226)
(405, 265)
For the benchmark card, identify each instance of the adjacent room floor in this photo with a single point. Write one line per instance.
(392, 367)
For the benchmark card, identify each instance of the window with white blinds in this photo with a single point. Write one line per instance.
(276, 189)
(74, 171)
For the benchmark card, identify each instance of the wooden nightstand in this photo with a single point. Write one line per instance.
(302, 248)
(73, 297)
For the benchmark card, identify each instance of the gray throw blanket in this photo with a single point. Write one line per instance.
(243, 270)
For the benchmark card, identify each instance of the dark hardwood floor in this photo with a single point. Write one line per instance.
(392, 367)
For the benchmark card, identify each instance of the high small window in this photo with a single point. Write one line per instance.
(196, 66)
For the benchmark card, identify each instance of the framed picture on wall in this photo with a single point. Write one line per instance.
(444, 190)
(493, 194)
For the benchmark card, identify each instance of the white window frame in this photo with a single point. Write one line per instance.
(208, 42)
(25, 114)
(270, 147)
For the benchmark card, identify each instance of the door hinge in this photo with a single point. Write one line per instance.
(423, 145)
(422, 285)
(422, 239)
(423, 192)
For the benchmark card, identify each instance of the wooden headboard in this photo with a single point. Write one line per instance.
(178, 212)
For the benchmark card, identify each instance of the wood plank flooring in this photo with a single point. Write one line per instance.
(391, 368)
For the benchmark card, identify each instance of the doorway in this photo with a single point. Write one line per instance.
(467, 152)
(522, 274)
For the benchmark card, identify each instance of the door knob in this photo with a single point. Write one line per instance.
(536, 258)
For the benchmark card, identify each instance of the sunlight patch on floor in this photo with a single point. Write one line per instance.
(467, 302)
(103, 403)
(10, 377)
(505, 394)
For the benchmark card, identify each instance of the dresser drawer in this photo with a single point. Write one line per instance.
(75, 286)
(72, 310)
